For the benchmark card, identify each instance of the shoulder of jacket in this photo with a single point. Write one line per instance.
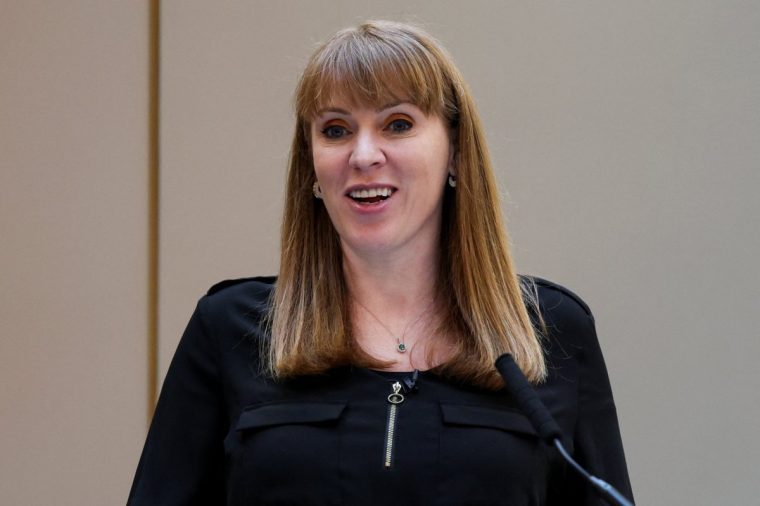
(265, 282)
(234, 304)
(554, 293)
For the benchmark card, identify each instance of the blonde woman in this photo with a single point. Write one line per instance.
(364, 373)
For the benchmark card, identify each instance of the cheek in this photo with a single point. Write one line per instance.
(438, 167)
(326, 164)
(438, 147)
(319, 158)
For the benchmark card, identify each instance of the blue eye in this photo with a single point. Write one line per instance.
(334, 131)
(399, 125)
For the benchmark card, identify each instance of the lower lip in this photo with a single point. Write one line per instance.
(369, 209)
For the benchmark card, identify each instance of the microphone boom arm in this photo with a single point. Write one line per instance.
(547, 427)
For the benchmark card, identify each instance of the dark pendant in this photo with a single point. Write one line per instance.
(401, 347)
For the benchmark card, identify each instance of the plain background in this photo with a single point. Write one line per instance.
(625, 137)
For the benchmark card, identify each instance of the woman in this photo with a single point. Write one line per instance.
(364, 374)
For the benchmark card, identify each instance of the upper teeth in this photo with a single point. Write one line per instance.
(374, 192)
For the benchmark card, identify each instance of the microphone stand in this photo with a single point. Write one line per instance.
(602, 487)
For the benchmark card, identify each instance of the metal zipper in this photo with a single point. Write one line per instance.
(394, 399)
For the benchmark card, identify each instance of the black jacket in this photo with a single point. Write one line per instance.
(223, 434)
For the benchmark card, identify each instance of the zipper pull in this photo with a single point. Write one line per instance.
(396, 397)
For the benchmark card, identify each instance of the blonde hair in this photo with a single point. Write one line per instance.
(485, 306)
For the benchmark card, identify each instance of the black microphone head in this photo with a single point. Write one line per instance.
(527, 399)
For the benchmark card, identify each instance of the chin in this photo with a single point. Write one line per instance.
(368, 242)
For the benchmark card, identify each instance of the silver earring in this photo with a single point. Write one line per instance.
(452, 180)
(317, 190)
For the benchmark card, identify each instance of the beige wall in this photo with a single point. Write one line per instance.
(625, 136)
(73, 250)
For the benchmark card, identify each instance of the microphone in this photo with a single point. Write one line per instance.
(409, 384)
(528, 400)
(545, 425)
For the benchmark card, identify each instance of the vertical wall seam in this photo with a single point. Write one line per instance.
(154, 24)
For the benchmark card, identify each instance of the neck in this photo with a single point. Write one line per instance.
(392, 284)
(393, 300)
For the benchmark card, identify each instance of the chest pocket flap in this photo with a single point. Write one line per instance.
(285, 413)
(493, 418)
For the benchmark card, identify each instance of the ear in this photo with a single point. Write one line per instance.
(452, 159)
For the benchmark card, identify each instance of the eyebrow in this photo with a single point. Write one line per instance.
(332, 109)
(389, 105)
(347, 113)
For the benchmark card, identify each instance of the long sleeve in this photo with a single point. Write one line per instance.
(579, 395)
(183, 458)
(597, 442)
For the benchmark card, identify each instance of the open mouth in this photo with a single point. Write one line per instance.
(371, 195)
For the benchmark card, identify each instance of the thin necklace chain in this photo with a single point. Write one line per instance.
(400, 344)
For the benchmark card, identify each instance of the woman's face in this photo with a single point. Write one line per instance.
(382, 172)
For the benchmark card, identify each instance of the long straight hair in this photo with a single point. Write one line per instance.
(484, 303)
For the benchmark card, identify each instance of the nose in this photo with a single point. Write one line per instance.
(367, 152)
